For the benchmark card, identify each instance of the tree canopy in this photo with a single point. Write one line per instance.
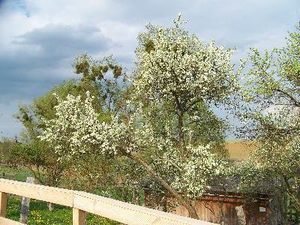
(176, 78)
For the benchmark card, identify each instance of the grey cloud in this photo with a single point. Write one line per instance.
(6, 5)
(61, 41)
(42, 58)
(42, 52)
(9, 126)
(235, 24)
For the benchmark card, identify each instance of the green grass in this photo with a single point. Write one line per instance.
(40, 215)
(19, 173)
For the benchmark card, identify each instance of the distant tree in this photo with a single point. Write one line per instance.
(5, 145)
(273, 92)
(31, 152)
(37, 155)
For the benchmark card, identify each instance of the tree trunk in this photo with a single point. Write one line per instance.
(180, 113)
(185, 202)
(180, 130)
(277, 211)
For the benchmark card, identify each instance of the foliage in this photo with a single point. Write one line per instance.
(273, 85)
(104, 79)
(5, 145)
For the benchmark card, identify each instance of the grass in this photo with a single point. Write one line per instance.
(19, 174)
(40, 215)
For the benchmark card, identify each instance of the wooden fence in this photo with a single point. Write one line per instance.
(83, 203)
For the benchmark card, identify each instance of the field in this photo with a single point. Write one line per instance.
(19, 174)
(240, 150)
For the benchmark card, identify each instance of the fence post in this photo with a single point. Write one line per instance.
(3, 203)
(79, 217)
(25, 204)
(241, 215)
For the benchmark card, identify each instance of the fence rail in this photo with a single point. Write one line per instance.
(83, 203)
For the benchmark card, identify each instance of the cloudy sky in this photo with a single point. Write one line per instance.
(40, 39)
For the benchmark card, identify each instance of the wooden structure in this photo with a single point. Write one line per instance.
(219, 208)
(222, 208)
(83, 203)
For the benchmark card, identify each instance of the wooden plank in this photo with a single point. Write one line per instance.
(79, 217)
(39, 192)
(5, 221)
(128, 213)
(3, 203)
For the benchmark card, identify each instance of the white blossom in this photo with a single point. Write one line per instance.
(76, 129)
(172, 62)
(194, 173)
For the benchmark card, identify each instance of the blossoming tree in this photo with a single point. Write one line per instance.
(176, 79)
(178, 69)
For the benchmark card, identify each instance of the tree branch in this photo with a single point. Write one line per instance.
(292, 98)
(186, 203)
